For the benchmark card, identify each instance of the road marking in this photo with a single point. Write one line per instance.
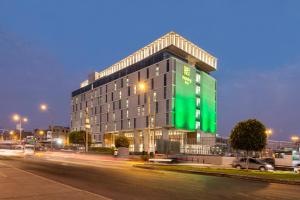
(59, 183)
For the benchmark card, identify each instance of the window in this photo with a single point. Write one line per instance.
(100, 109)
(167, 118)
(147, 121)
(127, 103)
(134, 122)
(143, 110)
(197, 90)
(167, 105)
(139, 76)
(138, 99)
(120, 94)
(127, 81)
(198, 114)
(115, 85)
(156, 107)
(152, 84)
(165, 79)
(122, 84)
(138, 110)
(120, 104)
(127, 113)
(134, 89)
(198, 78)
(128, 91)
(157, 71)
(197, 125)
(145, 98)
(168, 65)
(147, 72)
(154, 97)
(107, 117)
(122, 124)
(198, 102)
(114, 116)
(112, 96)
(114, 107)
(165, 92)
(108, 107)
(106, 88)
(128, 123)
(106, 98)
(121, 114)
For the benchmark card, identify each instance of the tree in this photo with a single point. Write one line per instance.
(121, 141)
(78, 137)
(249, 135)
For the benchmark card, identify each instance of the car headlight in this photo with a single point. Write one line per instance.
(269, 166)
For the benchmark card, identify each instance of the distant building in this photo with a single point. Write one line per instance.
(59, 132)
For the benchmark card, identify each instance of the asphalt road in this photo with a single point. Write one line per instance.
(121, 181)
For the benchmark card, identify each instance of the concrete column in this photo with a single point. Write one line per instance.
(146, 139)
(165, 134)
(136, 140)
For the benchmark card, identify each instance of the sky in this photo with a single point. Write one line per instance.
(48, 47)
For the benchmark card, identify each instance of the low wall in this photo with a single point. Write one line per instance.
(207, 159)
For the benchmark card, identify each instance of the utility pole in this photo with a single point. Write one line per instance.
(87, 127)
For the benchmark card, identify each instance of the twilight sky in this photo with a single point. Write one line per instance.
(48, 47)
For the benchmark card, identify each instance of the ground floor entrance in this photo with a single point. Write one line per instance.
(165, 141)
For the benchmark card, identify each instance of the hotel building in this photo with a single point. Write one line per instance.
(163, 91)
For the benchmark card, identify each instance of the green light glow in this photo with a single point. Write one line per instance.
(208, 103)
(185, 103)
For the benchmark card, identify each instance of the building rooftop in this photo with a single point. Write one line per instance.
(170, 41)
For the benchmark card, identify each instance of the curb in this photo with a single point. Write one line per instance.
(251, 178)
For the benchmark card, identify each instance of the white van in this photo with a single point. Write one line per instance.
(28, 150)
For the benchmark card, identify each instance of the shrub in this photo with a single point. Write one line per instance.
(122, 141)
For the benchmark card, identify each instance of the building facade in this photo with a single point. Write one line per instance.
(163, 91)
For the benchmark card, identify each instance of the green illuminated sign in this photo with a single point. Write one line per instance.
(185, 102)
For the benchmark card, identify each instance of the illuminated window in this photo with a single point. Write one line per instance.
(127, 113)
(198, 78)
(198, 101)
(138, 110)
(128, 123)
(120, 94)
(134, 89)
(197, 113)
(157, 71)
(127, 102)
(127, 81)
(154, 96)
(198, 127)
(115, 85)
(197, 90)
(114, 116)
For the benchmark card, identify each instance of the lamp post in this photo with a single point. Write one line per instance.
(296, 139)
(144, 88)
(45, 108)
(11, 133)
(19, 119)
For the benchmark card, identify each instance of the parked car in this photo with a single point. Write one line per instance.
(297, 169)
(270, 161)
(241, 163)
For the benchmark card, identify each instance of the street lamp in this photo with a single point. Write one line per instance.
(19, 119)
(44, 108)
(296, 139)
(143, 88)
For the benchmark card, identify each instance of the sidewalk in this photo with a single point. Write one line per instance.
(21, 185)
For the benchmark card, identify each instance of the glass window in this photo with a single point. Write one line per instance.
(157, 71)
